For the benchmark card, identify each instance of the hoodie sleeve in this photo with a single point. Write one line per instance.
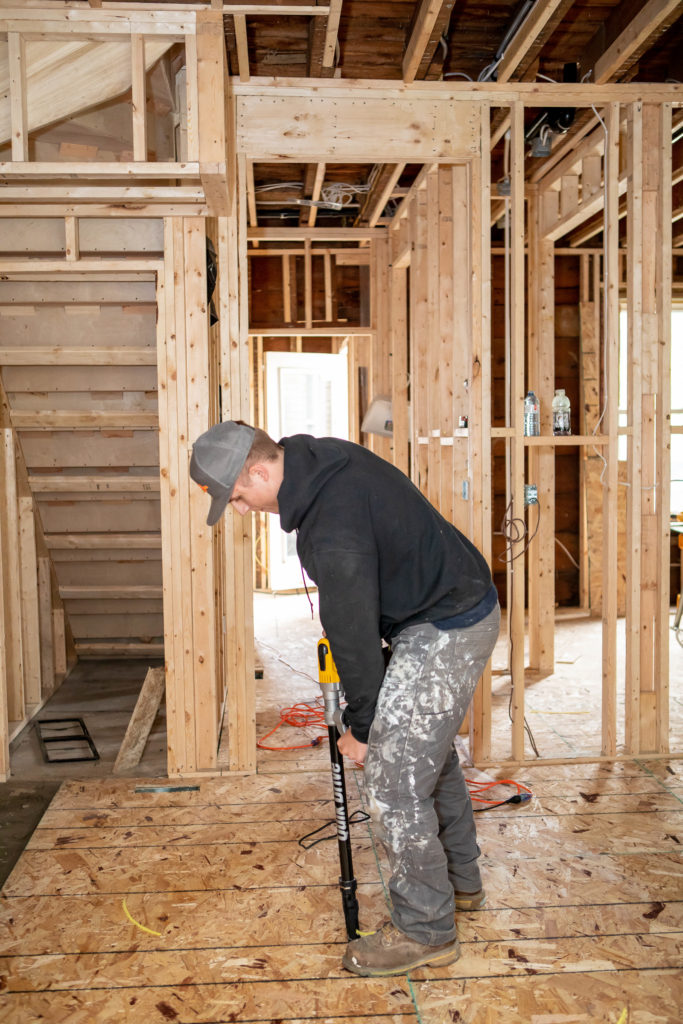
(349, 612)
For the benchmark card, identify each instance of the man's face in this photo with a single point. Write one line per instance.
(256, 490)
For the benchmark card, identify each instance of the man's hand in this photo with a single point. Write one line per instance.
(351, 747)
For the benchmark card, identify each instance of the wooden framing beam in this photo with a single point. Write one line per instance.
(242, 46)
(311, 332)
(322, 39)
(481, 404)
(42, 355)
(541, 459)
(611, 423)
(141, 722)
(53, 483)
(188, 575)
(314, 179)
(649, 339)
(236, 531)
(212, 86)
(515, 550)
(81, 419)
(98, 541)
(11, 580)
(318, 234)
(531, 28)
(331, 33)
(139, 96)
(558, 94)
(17, 91)
(29, 601)
(374, 202)
(629, 27)
(427, 16)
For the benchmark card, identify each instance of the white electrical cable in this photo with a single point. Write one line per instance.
(568, 554)
(279, 184)
(339, 192)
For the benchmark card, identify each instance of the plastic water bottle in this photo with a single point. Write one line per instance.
(532, 415)
(561, 414)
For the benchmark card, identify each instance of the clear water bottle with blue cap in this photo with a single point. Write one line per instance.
(532, 415)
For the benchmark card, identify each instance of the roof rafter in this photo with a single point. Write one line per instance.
(431, 19)
(618, 43)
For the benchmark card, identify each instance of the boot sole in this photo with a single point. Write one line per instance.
(465, 906)
(371, 972)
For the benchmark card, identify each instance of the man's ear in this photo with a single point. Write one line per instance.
(259, 471)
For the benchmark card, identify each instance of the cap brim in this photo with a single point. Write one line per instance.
(218, 507)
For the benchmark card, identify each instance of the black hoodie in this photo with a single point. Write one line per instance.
(380, 554)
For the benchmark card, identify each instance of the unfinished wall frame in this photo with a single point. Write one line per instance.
(441, 338)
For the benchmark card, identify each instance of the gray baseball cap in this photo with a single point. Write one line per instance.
(218, 457)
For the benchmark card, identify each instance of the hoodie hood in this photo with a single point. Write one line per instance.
(309, 464)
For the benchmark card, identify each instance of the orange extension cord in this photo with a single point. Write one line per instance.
(476, 788)
(311, 714)
(300, 716)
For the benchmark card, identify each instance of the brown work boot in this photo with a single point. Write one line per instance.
(470, 900)
(389, 951)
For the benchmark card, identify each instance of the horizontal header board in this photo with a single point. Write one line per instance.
(357, 128)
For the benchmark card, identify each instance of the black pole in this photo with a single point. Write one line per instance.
(330, 686)
(347, 882)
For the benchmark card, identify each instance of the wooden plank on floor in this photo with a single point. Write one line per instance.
(141, 722)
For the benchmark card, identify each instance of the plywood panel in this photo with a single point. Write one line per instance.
(121, 448)
(101, 516)
(80, 379)
(134, 625)
(577, 926)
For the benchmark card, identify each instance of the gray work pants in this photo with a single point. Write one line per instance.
(417, 792)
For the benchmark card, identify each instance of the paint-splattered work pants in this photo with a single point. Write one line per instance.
(417, 792)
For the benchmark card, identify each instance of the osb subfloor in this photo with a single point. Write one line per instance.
(236, 922)
(583, 921)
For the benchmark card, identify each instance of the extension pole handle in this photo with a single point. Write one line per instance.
(330, 687)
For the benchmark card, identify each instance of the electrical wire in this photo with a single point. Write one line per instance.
(274, 186)
(527, 727)
(515, 530)
(296, 671)
(522, 795)
(340, 193)
(568, 554)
